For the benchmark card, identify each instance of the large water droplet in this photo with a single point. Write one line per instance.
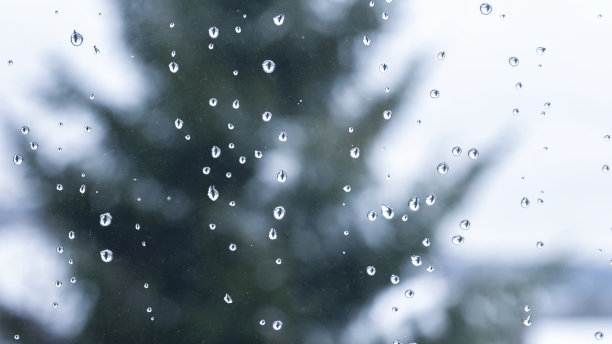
(106, 255)
(215, 151)
(430, 199)
(272, 234)
(605, 168)
(268, 66)
(277, 325)
(279, 19)
(213, 194)
(105, 219)
(354, 152)
(279, 212)
(178, 123)
(173, 66)
(442, 168)
(370, 270)
(485, 8)
(76, 38)
(281, 176)
(416, 260)
(394, 279)
(372, 215)
(227, 298)
(386, 211)
(17, 159)
(414, 204)
(206, 170)
(519, 85)
(458, 239)
(513, 61)
(525, 202)
(473, 153)
(71, 235)
(213, 32)
(540, 51)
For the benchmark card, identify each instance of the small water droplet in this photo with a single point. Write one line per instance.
(211, 46)
(178, 123)
(430, 268)
(426, 242)
(282, 137)
(71, 235)
(540, 51)
(106, 255)
(25, 130)
(414, 204)
(416, 260)
(258, 154)
(266, 116)
(279, 212)
(547, 105)
(366, 41)
(213, 32)
(441, 55)
(394, 309)
(394, 279)
(262, 322)
(173, 66)
(172, 25)
(281, 176)
(606, 137)
(60, 249)
(346, 188)
(16, 337)
(215, 151)
(387, 211)
(242, 159)
(268, 66)
(96, 50)
(277, 325)
(238, 29)
(279, 19)
(465, 224)
(525, 202)
(212, 102)
(105, 219)
(371, 3)
(434, 93)
(599, 335)
(458, 239)
(17, 159)
(485, 8)
(387, 114)
(236, 104)
(513, 61)
(442, 168)
(430, 199)
(76, 38)
(213, 194)
(372, 215)
(539, 244)
(409, 293)
(232, 247)
(515, 111)
(354, 152)
(34, 145)
(605, 168)
(527, 321)
(146, 285)
(527, 308)
(384, 16)
(383, 68)
(519, 85)
(227, 298)
(473, 153)
(272, 234)
(405, 217)
(206, 170)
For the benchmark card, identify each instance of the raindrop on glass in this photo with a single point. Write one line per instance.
(456, 151)
(434, 93)
(416, 260)
(414, 204)
(213, 32)
(213, 194)
(215, 151)
(34, 145)
(173, 66)
(16, 337)
(268, 66)
(354, 152)
(441, 55)
(539, 244)
(527, 321)
(599, 335)
(346, 188)
(442, 168)
(387, 114)
(281, 176)
(408, 293)
(105, 219)
(232, 247)
(372, 215)
(473, 153)
(262, 322)
(242, 159)
(282, 137)
(366, 41)
(25, 130)
(430, 199)
(426, 242)
(458, 239)
(515, 111)
(266, 116)
(279, 261)
(178, 123)
(384, 16)
(519, 85)
(277, 325)
(394, 279)
(370, 270)
(238, 29)
(485, 8)
(60, 249)
(212, 102)
(172, 25)
(17, 159)
(272, 234)
(227, 298)
(387, 211)
(279, 19)
(525, 202)
(279, 212)
(106, 255)
(464, 224)
(383, 68)
(258, 154)
(605, 168)
(206, 170)
(540, 51)
(513, 61)
(236, 104)
(76, 38)
(71, 235)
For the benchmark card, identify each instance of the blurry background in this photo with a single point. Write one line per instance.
(97, 119)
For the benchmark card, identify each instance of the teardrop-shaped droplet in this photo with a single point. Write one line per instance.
(277, 325)
(387, 211)
(383, 68)
(212, 102)
(258, 154)
(213, 32)
(457, 239)
(282, 137)
(387, 114)
(227, 298)
(178, 123)
(370, 270)
(215, 151)
(540, 51)
(279, 19)
(464, 224)
(82, 188)
(366, 41)
(442, 168)
(485, 8)
(238, 29)
(416, 260)
(272, 234)
(236, 104)
(213, 194)
(473, 153)
(430, 199)
(434, 93)
(281, 176)
(525, 202)
(346, 188)
(513, 61)
(34, 145)
(106, 219)
(17, 159)
(394, 279)
(173, 66)
(71, 235)
(268, 66)
(279, 212)
(414, 204)
(106, 255)
(372, 215)
(426, 242)
(266, 116)
(76, 38)
(354, 152)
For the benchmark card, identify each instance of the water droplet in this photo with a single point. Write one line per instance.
(371, 3)
(266, 116)
(242, 159)
(442, 168)
(25, 130)
(282, 137)
(106, 255)
(426, 242)
(416, 260)
(519, 85)
(213, 32)
(540, 51)
(539, 244)
(394, 309)
(394, 279)
(277, 325)
(272, 234)
(76, 38)
(347, 188)
(524, 202)
(485, 8)
(434, 93)
(430, 268)
(71, 235)
(279, 212)
(268, 66)
(513, 61)
(354, 152)
(178, 123)
(387, 114)
(60, 249)
(430, 199)
(96, 50)
(458, 239)
(387, 211)
(527, 321)
(473, 153)
(464, 224)
(414, 204)
(366, 41)
(146, 285)
(547, 105)
(441, 55)
(372, 215)
(262, 322)
(16, 337)
(212, 102)
(258, 154)
(236, 104)
(227, 298)
(232, 247)
(405, 217)
(527, 308)
(70, 261)
(212, 226)
(173, 66)
(149, 309)
(215, 151)
(211, 46)
(88, 129)
(213, 194)
(383, 68)
(281, 176)
(409, 293)
(137, 226)
(206, 170)
(515, 112)
(384, 16)
(279, 19)
(17, 159)
(278, 261)
(599, 335)
(238, 29)
(34, 145)
(105, 219)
